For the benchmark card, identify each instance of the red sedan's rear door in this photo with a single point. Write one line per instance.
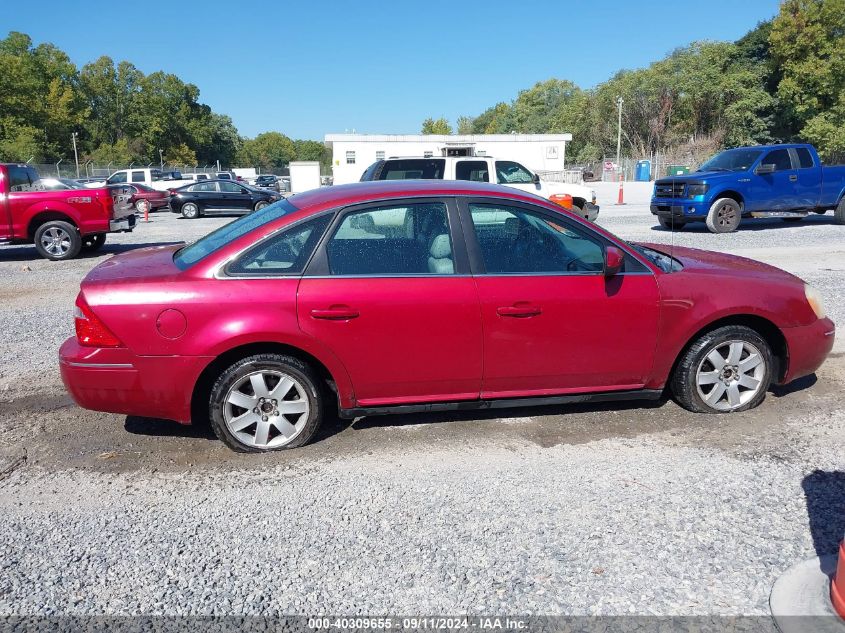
(390, 293)
(552, 322)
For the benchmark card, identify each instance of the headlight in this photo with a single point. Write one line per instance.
(696, 190)
(814, 298)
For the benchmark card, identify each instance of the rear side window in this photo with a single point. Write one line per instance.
(473, 170)
(805, 159)
(284, 254)
(203, 187)
(137, 176)
(413, 169)
(779, 158)
(395, 240)
(21, 178)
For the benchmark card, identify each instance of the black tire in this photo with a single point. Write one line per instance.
(684, 381)
(260, 205)
(724, 216)
(289, 366)
(57, 240)
(190, 211)
(839, 212)
(93, 242)
(671, 225)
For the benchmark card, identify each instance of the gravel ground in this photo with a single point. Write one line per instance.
(602, 509)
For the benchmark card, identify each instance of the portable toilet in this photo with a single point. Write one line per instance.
(642, 173)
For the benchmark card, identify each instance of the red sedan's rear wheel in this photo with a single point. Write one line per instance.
(266, 402)
(724, 371)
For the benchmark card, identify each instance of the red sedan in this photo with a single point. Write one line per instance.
(137, 192)
(397, 296)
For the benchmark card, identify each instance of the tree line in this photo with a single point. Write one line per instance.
(783, 81)
(120, 115)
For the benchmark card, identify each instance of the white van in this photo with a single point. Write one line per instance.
(154, 178)
(484, 169)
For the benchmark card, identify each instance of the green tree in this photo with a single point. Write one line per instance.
(269, 150)
(465, 125)
(438, 126)
(808, 45)
(181, 155)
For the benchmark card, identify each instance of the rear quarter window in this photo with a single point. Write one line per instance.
(413, 169)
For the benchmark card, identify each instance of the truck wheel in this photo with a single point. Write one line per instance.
(93, 242)
(57, 240)
(669, 224)
(839, 212)
(724, 216)
(190, 211)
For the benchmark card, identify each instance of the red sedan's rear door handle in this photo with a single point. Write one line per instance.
(518, 311)
(335, 314)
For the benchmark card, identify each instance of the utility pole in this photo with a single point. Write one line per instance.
(75, 154)
(619, 102)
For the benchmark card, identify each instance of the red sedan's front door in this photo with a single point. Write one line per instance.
(552, 322)
(387, 295)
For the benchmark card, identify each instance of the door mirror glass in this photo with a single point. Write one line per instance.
(614, 259)
(536, 179)
(765, 168)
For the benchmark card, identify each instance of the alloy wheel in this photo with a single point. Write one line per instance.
(56, 241)
(726, 216)
(730, 375)
(266, 409)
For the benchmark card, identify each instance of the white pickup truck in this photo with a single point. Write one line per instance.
(486, 169)
(154, 178)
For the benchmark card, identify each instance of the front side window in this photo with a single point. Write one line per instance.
(513, 240)
(731, 160)
(137, 176)
(511, 173)
(413, 168)
(393, 240)
(117, 178)
(286, 253)
(214, 241)
(472, 170)
(350, 158)
(230, 187)
(779, 158)
(805, 159)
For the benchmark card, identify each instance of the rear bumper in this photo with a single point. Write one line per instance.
(115, 380)
(808, 347)
(122, 225)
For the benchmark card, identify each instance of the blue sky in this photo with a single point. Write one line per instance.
(310, 68)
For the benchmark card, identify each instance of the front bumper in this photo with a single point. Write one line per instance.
(123, 225)
(678, 209)
(807, 348)
(115, 380)
(591, 211)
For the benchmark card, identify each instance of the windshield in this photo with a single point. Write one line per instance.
(192, 253)
(732, 160)
(661, 260)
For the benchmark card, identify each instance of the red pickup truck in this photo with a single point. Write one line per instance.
(60, 223)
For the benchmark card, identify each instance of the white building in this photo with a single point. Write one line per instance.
(353, 153)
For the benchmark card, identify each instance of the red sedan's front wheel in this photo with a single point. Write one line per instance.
(726, 370)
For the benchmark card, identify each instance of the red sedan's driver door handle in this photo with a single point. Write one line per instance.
(335, 313)
(519, 310)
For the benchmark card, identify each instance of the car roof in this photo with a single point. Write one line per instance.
(340, 195)
(438, 157)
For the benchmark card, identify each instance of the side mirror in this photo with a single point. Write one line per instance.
(765, 168)
(536, 179)
(614, 259)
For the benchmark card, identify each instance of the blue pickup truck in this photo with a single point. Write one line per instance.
(783, 181)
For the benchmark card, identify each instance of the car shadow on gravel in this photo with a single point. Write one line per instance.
(825, 495)
(757, 224)
(167, 428)
(779, 391)
(27, 253)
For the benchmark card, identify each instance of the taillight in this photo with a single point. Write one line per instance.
(563, 199)
(107, 202)
(90, 331)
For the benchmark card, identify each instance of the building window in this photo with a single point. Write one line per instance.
(428, 154)
(379, 155)
(481, 152)
(350, 158)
